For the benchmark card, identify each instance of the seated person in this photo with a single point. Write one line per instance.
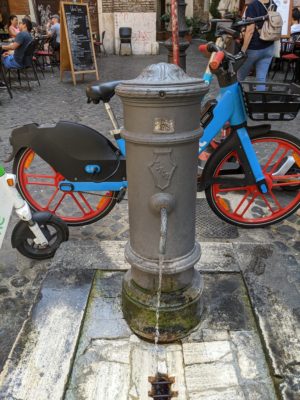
(15, 59)
(295, 27)
(54, 32)
(13, 28)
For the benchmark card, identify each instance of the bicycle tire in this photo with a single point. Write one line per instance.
(229, 213)
(22, 162)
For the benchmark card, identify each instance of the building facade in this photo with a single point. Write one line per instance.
(18, 7)
(140, 15)
(143, 16)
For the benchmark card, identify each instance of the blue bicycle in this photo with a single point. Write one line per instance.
(252, 179)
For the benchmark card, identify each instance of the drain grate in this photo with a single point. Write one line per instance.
(161, 387)
(208, 225)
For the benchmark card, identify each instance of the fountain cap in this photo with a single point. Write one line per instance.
(162, 80)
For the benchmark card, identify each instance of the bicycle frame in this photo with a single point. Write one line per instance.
(230, 108)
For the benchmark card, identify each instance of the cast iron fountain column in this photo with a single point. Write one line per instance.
(162, 129)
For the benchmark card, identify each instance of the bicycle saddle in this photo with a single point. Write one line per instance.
(97, 92)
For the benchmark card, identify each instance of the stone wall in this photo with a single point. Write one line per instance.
(140, 15)
(129, 5)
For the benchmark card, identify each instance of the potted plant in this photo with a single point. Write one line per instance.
(165, 18)
(189, 23)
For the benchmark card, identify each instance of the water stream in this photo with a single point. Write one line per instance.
(157, 334)
(161, 256)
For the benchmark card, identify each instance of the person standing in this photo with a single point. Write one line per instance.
(259, 52)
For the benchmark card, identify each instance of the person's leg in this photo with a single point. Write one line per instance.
(9, 62)
(243, 72)
(57, 51)
(263, 64)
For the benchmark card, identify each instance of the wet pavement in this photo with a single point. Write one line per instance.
(264, 262)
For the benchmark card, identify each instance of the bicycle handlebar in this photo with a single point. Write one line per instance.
(229, 31)
(217, 60)
(220, 55)
(249, 21)
(210, 47)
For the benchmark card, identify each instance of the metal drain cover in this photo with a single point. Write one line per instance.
(161, 387)
(208, 225)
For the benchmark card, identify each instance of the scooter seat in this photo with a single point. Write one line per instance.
(97, 92)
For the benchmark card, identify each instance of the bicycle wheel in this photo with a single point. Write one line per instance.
(244, 205)
(38, 183)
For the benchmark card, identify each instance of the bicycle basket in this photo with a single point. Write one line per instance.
(278, 102)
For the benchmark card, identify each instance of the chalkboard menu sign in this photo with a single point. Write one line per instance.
(77, 49)
(79, 36)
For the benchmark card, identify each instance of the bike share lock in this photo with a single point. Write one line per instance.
(162, 131)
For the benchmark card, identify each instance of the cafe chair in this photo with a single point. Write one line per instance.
(4, 80)
(35, 60)
(125, 37)
(100, 43)
(49, 53)
(28, 63)
(287, 56)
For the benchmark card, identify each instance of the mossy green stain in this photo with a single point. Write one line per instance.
(173, 323)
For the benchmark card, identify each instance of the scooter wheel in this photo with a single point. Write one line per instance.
(54, 228)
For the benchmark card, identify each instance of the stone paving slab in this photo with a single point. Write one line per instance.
(20, 281)
(218, 363)
(273, 282)
(109, 255)
(39, 364)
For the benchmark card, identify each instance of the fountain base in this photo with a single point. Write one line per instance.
(180, 311)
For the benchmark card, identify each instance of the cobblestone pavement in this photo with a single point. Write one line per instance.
(20, 279)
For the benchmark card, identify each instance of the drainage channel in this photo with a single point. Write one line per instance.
(161, 387)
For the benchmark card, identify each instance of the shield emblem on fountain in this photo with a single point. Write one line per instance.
(162, 168)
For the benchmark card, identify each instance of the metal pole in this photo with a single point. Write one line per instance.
(179, 29)
(175, 34)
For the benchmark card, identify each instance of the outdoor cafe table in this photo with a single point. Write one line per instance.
(4, 35)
